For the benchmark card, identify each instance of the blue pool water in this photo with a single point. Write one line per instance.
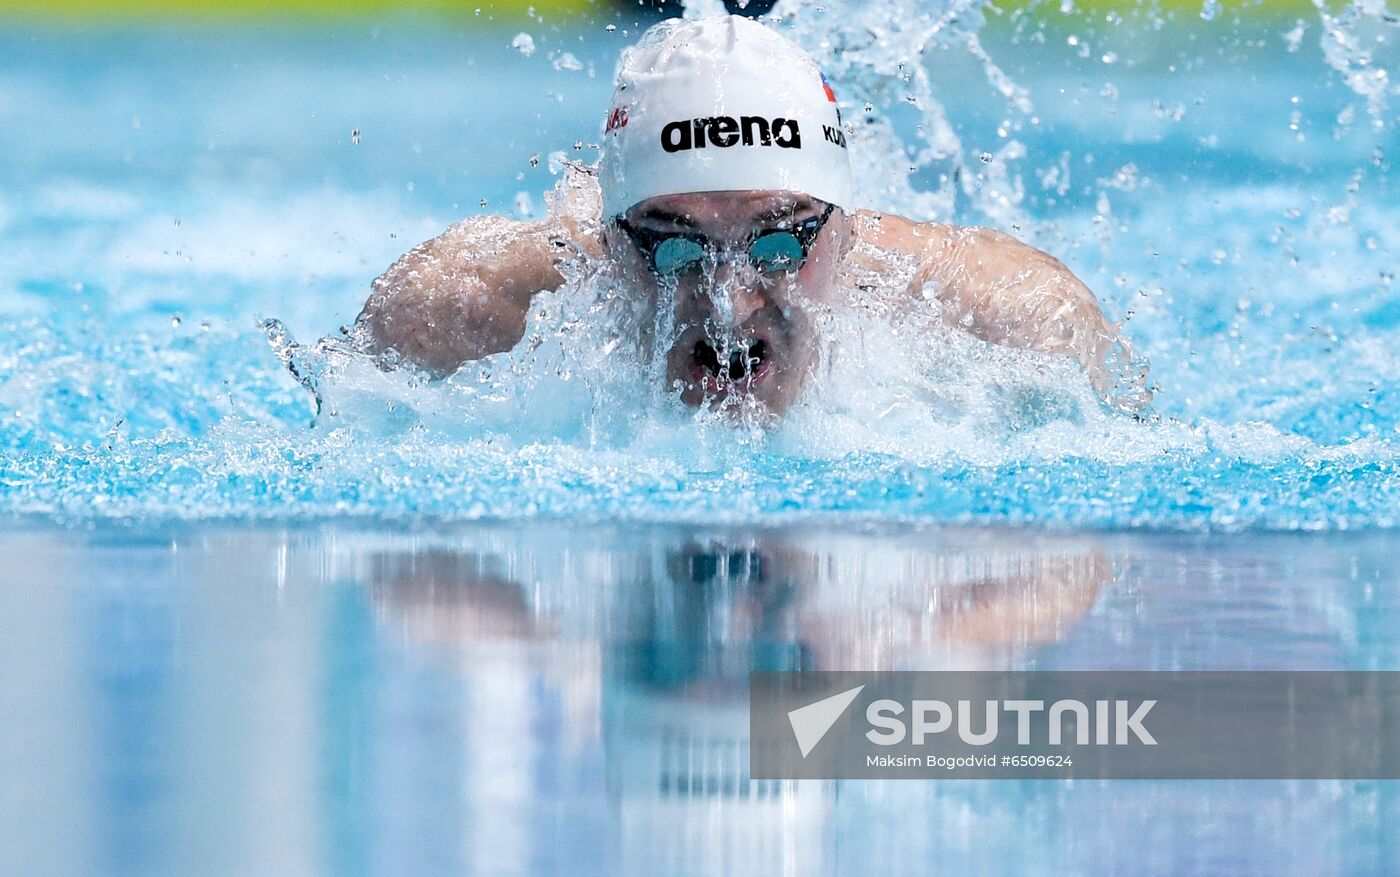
(461, 627)
(163, 192)
(507, 700)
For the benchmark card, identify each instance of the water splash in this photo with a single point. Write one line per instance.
(897, 125)
(1266, 308)
(1350, 43)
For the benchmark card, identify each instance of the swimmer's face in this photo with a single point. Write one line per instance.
(746, 312)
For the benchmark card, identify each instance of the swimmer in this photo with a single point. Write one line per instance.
(725, 182)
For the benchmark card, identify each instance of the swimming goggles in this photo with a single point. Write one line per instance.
(671, 253)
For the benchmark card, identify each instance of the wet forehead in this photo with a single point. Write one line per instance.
(722, 211)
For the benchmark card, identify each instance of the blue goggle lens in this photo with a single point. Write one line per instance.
(777, 251)
(677, 256)
(772, 252)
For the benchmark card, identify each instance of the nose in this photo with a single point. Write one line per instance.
(734, 295)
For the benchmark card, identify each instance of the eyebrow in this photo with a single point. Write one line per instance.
(665, 217)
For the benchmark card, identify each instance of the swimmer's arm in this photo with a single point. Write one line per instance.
(464, 294)
(1006, 292)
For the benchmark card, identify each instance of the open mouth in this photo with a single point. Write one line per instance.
(741, 368)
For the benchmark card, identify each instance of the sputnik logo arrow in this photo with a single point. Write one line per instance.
(811, 722)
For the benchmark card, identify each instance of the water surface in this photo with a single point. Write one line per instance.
(541, 700)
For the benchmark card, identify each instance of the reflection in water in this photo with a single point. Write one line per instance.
(545, 700)
(695, 611)
(664, 633)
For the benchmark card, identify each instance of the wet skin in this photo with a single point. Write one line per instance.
(740, 332)
(465, 294)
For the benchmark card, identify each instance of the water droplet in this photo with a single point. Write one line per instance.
(1175, 112)
(1294, 38)
(567, 61)
(524, 44)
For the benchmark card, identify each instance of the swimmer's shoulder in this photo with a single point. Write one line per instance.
(504, 244)
(893, 233)
(944, 246)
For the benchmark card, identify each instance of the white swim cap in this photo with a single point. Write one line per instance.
(721, 104)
